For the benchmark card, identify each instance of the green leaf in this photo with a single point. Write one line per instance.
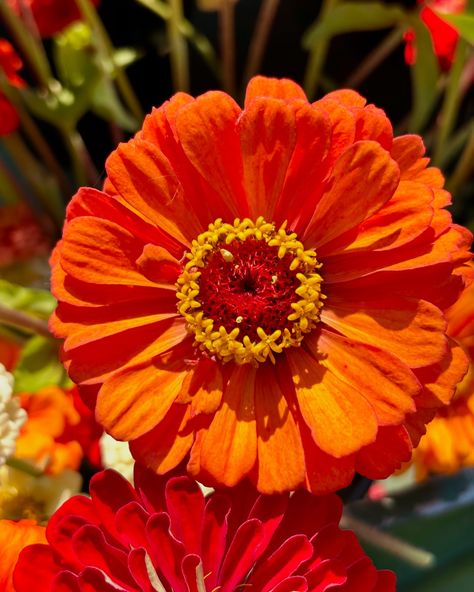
(124, 56)
(354, 16)
(464, 23)
(38, 303)
(39, 366)
(437, 516)
(424, 76)
(107, 105)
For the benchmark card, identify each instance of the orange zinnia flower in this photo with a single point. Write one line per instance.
(449, 441)
(14, 537)
(260, 288)
(59, 432)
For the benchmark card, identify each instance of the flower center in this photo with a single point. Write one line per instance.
(249, 290)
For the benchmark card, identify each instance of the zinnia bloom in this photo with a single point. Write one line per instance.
(261, 289)
(50, 16)
(10, 63)
(449, 441)
(15, 536)
(164, 535)
(443, 35)
(59, 432)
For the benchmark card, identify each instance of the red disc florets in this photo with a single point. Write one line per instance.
(250, 288)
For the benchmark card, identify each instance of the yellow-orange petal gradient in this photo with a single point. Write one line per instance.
(448, 444)
(361, 259)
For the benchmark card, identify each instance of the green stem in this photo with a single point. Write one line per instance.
(393, 545)
(32, 49)
(82, 168)
(16, 318)
(375, 58)
(106, 48)
(197, 40)
(317, 55)
(259, 40)
(449, 109)
(42, 184)
(10, 193)
(227, 42)
(178, 47)
(23, 466)
(465, 167)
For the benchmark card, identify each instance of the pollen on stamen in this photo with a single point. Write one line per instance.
(263, 303)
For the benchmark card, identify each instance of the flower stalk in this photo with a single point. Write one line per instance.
(260, 37)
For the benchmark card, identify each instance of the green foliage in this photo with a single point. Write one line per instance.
(464, 23)
(424, 76)
(38, 303)
(39, 366)
(355, 16)
(437, 516)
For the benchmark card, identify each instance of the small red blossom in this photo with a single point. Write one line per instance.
(21, 237)
(10, 63)
(165, 535)
(443, 35)
(50, 16)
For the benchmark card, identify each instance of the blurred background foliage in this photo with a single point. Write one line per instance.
(77, 91)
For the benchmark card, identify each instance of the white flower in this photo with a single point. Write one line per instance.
(12, 416)
(25, 496)
(116, 455)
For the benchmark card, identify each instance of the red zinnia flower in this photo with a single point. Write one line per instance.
(10, 63)
(443, 35)
(261, 288)
(165, 535)
(51, 16)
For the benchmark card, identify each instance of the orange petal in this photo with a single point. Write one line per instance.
(135, 400)
(158, 265)
(342, 126)
(341, 420)
(440, 380)
(145, 179)
(281, 465)
(207, 130)
(308, 161)
(90, 202)
(14, 537)
(343, 96)
(203, 388)
(404, 218)
(165, 446)
(373, 124)
(388, 384)
(413, 331)
(228, 450)
(407, 150)
(386, 455)
(93, 362)
(276, 88)
(363, 180)
(97, 251)
(268, 137)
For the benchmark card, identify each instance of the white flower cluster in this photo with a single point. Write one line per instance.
(12, 416)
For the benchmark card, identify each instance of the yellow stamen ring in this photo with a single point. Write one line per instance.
(224, 344)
